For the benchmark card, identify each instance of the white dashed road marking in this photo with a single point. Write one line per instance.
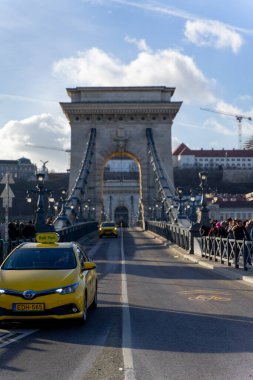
(126, 325)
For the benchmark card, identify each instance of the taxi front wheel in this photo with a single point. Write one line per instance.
(95, 299)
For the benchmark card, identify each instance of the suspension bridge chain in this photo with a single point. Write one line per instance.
(76, 194)
(165, 188)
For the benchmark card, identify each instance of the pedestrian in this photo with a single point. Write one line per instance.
(241, 233)
(12, 231)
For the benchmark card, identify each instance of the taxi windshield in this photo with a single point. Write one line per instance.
(41, 258)
(108, 224)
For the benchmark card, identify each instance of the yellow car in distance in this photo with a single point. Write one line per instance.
(47, 280)
(107, 229)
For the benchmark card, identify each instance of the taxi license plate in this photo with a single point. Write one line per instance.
(28, 307)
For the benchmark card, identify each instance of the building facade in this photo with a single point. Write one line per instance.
(184, 157)
(229, 206)
(19, 169)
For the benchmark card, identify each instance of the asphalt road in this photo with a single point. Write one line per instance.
(159, 317)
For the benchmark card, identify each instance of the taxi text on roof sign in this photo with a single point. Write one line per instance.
(47, 237)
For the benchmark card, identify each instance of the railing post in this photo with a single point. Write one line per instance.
(236, 257)
(194, 232)
(245, 256)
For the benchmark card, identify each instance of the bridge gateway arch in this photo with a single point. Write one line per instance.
(107, 122)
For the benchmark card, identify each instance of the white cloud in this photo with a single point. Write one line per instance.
(170, 11)
(213, 33)
(167, 67)
(41, 130)
(140, 44)
(216, 127)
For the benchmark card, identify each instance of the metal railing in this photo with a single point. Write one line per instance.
(71, 233)
(230, 251)
(76, 231)
(176, 234)
(236, 253)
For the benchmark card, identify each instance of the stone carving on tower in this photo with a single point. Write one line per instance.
(120, 138)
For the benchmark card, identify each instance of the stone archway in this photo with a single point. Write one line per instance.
(121, 187)
(121, 116)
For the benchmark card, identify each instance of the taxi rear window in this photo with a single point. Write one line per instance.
(44, 258)
(108, 224)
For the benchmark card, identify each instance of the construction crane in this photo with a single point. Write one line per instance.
(48, 147)
(51, 148)
(239, 119)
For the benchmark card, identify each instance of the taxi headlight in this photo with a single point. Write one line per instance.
(67, 289)
(2, 291)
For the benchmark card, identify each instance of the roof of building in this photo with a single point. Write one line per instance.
(24, 160)
(8, 162)
(183, 150)
(234, 204)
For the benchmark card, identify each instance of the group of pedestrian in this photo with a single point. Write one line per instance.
(21, 231)
(232, 229)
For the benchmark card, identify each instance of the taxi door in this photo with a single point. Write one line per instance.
(90, 278)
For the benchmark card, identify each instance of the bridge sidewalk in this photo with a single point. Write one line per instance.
(222, 269)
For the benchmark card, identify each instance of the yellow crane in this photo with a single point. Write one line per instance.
(238, 118)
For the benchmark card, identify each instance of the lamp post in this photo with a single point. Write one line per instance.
(40, 224)
(93, 215)
(204, 217)
(180, 200)
(193, 215)
(63, 202)
(29, 200)
(51, 209)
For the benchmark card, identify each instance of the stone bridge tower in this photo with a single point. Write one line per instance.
(121, 116)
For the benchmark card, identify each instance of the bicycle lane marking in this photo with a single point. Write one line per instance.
(129, 373)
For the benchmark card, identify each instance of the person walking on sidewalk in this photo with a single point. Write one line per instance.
(241, 233)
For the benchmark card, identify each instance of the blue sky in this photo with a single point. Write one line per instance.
(204, 48)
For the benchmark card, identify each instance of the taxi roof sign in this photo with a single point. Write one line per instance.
(47, 237)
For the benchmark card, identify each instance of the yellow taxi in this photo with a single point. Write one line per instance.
(107, 229)
(47, 280)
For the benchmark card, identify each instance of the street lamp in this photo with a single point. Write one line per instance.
(40, 224)
(93, 216)
(63, 202)
(51, 209)
(193, 215)
(29, 201)
(204, 217)
(179, 192)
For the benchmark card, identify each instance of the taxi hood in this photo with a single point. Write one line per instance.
(37, 279)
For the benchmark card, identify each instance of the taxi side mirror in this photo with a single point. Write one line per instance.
(88, 266)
